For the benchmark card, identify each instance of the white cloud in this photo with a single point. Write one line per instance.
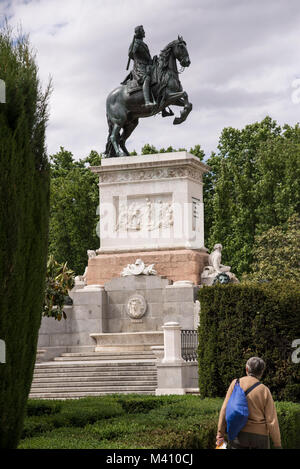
(244, 59)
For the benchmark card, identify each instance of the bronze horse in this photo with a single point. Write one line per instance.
(123, 109)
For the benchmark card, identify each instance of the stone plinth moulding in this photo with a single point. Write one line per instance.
(151, 202)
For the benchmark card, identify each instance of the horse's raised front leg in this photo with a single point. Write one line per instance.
(181, 100)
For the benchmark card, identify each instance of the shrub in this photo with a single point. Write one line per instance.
(62, 438)
(289, 423)
(79, 417)
(244, 320)
(47, 415)
(179, 422)
(35, 425)
(24, 211)
(115, 429)
(59, 280)
(138, 404)
(37, 407)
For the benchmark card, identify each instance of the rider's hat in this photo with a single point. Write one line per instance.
(138, 28)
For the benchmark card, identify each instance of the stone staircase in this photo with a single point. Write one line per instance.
(74, 375)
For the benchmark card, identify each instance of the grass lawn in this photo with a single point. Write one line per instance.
(136, 422)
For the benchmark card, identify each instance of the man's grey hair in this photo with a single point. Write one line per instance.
(256, 366)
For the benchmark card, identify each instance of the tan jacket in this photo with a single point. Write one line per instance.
(262, 418)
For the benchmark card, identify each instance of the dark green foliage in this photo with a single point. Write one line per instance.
(166, 422)
(73, 209)
(39, 407)
(276, 253)
(254, 184)
(244, 320)
(44, 415)
(289, 424)
(24, 211)
(35, 425)
(59, 281)
(150, 150)
(138, 405)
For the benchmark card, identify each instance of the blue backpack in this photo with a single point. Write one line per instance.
(237, 410)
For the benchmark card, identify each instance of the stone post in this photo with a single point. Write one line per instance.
(172, 343)
(170, 370)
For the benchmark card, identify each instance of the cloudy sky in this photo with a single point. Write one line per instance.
(244, 64)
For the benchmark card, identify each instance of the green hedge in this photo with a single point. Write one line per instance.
(289, 424)
(24, 212)
(46, 416)
(143, 404)
(37, 407)
(174, 422)
(243, 320)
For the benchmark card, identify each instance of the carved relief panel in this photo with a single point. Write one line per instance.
(144, 213)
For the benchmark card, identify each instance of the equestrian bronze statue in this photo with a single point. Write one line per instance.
(150, 87)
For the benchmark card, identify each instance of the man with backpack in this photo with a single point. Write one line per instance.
(248, 412)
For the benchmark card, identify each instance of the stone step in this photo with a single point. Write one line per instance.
(78, 395)
(75, 375)
(141, 353)
(49, 371)
(86, 385)
(89, 381)
(86, 388)
(122, 365)
(83, 373)
(108, 357)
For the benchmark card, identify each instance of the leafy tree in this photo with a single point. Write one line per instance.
(24, 211)
(276, 253)
(278, 184)
(59, 280)
(197, 151)
(74, 201)
(149, 150)
(254, 185)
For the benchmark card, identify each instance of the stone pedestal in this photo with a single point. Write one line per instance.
(170, 370)
(151, 207)
(174, 375)
(172, 343)
(175, 265)
(127, 341)
(159, 302)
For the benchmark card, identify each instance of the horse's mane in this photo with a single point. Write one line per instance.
(165, 53)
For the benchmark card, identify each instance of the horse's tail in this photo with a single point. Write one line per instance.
(109, 149)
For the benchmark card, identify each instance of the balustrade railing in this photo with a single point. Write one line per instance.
(189, 344)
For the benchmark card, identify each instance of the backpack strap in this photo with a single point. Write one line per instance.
(252, 387)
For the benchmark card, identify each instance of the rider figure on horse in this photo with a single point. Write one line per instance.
(158, 77)
(139, 53)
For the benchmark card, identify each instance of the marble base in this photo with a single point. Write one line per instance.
(175, 265)
(151, 202)
(127, 342)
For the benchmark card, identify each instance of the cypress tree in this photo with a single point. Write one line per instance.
(24, 211)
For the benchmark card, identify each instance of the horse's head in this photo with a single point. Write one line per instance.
(175, 49)
(181, 53)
